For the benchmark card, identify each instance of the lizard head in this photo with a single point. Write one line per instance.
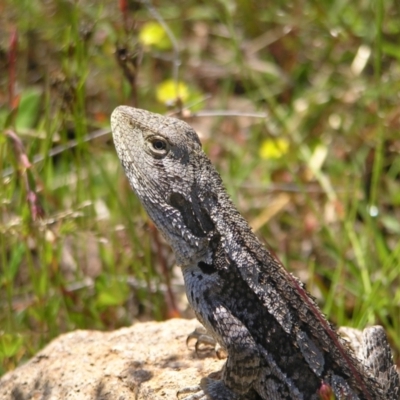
(168, 170)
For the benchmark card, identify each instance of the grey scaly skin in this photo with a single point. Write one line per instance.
(279, 344)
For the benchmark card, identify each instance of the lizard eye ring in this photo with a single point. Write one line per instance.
(159, 146)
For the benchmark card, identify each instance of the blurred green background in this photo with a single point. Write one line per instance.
(297, 104)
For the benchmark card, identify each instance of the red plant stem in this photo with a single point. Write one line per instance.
(123, 7)
(23, 160)
(12, 62)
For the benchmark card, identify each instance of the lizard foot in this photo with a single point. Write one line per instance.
(197, 393)
(205, 344)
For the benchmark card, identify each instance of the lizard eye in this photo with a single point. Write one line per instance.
(159, 147)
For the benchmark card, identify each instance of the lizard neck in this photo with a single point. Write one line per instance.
(228, 234)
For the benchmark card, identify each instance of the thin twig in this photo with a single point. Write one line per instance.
(102, 132)
(61, 148)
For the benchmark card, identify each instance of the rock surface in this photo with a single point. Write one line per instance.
(145, 361)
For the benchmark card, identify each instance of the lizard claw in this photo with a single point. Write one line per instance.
(205, 343)
(197, 393)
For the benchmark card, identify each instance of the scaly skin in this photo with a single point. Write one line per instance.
(279, 344)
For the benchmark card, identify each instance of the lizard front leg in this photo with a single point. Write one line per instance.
(243, 363)
(242, 367)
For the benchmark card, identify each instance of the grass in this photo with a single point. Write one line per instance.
(317, 172)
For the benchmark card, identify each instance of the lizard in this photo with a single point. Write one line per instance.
(279, 344)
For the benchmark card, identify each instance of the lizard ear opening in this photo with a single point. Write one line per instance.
(158, 146)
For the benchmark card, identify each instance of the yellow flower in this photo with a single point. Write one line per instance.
(273, 148)
(169, 91)
(153, 34)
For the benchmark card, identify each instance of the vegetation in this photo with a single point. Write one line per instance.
(297, 104)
